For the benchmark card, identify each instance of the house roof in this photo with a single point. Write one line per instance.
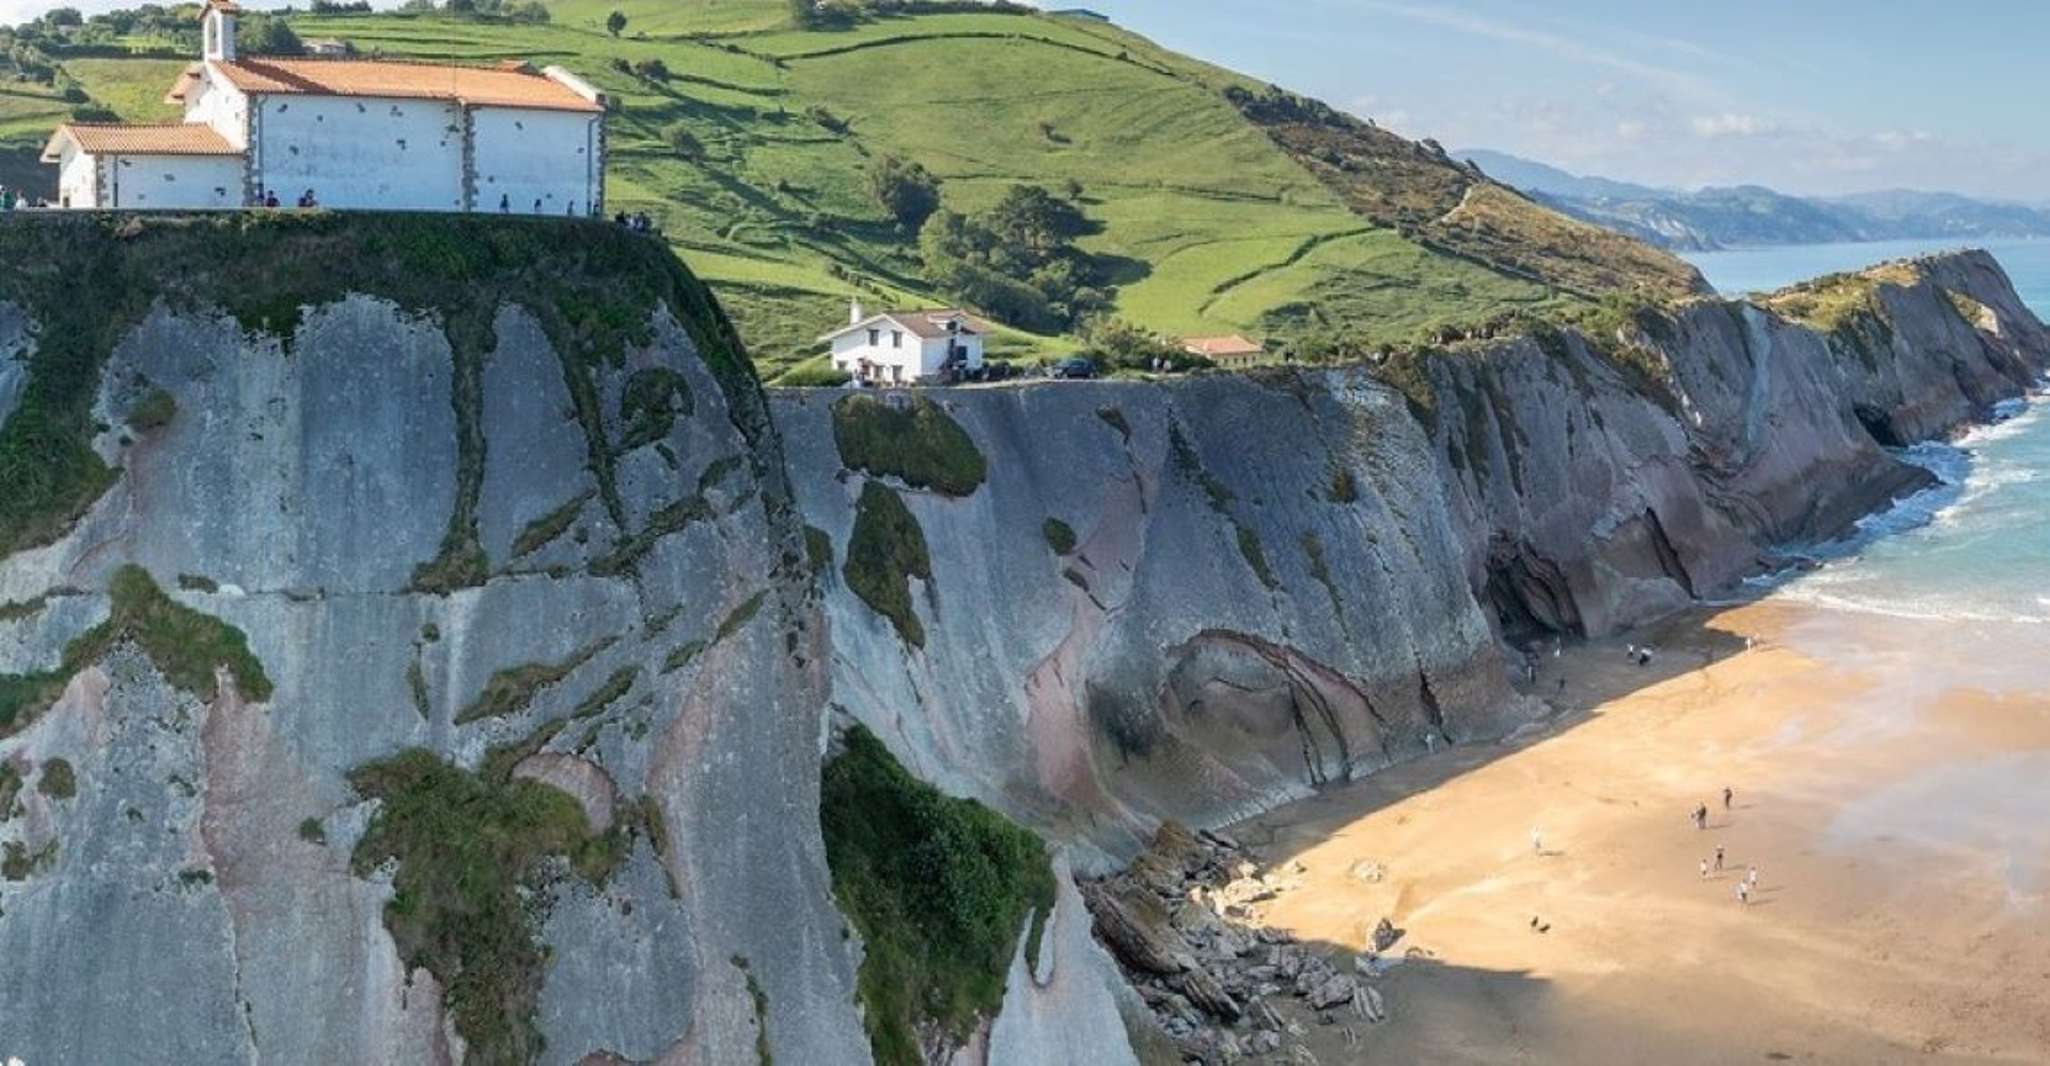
(1215, 346)
(167, 139)
(501, 86)
(924, 324)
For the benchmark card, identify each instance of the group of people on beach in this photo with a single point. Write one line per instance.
(1747, 884)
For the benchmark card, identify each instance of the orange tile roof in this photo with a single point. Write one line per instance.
(474, 86)
(175, 139)
(1214, 346)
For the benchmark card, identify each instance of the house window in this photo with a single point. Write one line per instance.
(896, 338)
(875, 337)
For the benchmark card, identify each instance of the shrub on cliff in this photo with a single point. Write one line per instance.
(938, 888)
(885, 551)
(917, 442)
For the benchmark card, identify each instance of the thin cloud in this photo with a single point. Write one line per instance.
(1732, 124)
(1679, 82)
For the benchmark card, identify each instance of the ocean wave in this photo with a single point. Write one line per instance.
(1811, 595)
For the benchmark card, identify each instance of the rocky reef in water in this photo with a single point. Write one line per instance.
(420, 639)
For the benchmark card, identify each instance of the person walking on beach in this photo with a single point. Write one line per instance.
(1704, 869)
(1751, 877)
(1743, 894)
(1719, 858)
(1537, 841)
(1727, 797)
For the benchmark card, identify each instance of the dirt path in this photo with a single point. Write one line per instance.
(1897, 809)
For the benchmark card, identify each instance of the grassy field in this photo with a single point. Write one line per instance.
(1208, 225)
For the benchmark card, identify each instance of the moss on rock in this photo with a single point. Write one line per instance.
(1059, 536)
(886, 550)
(58, 780)
(186, 646)
(917, 442)
(471, 853)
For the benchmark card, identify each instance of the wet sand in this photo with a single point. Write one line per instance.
(1892, 783)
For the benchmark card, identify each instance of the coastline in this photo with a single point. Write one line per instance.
(1886, 791)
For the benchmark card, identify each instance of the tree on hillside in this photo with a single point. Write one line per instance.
(1016, 260)
(1035, 219)
(64, 16)
(267, 35)
(615, 23)
(906, 190)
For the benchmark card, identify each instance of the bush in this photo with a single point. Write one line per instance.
(615, 23)
(813, 376)
(1117, 343)
(917, 442)
(906, 190)
(939, 889)
(652, 70)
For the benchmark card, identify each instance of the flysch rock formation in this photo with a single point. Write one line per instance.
(1277, 581)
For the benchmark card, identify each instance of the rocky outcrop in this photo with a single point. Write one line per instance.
(530, 552)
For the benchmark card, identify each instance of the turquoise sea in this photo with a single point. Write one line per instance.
(1976, 549)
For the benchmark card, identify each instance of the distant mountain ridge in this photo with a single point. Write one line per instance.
(1721, 217)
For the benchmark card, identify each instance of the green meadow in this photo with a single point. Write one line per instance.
(1205, 224)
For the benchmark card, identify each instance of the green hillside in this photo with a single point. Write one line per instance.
(1205, 213)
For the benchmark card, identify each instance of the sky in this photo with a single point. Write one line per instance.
(1813, 97)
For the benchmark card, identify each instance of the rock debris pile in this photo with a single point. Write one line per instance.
(1184, 923)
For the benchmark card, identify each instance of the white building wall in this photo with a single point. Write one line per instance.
(524, 156)
(215, 103)
(172, 181)
(360, 152)
(75, 171)
(914, 360)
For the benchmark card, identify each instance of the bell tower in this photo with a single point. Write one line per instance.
(217, 22)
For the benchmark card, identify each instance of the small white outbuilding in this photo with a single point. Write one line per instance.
(351, 133)
(907, 347)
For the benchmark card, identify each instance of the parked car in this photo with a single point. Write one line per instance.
(1076, 367)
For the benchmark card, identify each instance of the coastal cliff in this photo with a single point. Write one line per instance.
(419, 655)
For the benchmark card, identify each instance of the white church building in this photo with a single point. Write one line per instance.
(354, 133)
(907, 347)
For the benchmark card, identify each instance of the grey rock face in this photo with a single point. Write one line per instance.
(175, 907)
(1293, 578)
(1278, 581)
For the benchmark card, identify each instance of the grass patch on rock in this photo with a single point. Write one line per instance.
(472, 855)
(186, 646)
(153, 412)
(1059, 536)
(939, 889)
(543, 531)
(917, 442)
(10, 787)
(886, 550)
(511, 690)
(58, 780)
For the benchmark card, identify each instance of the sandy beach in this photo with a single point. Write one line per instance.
(1891, 782)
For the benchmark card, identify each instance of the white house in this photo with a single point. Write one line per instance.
(907, 347)
(356, 133)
